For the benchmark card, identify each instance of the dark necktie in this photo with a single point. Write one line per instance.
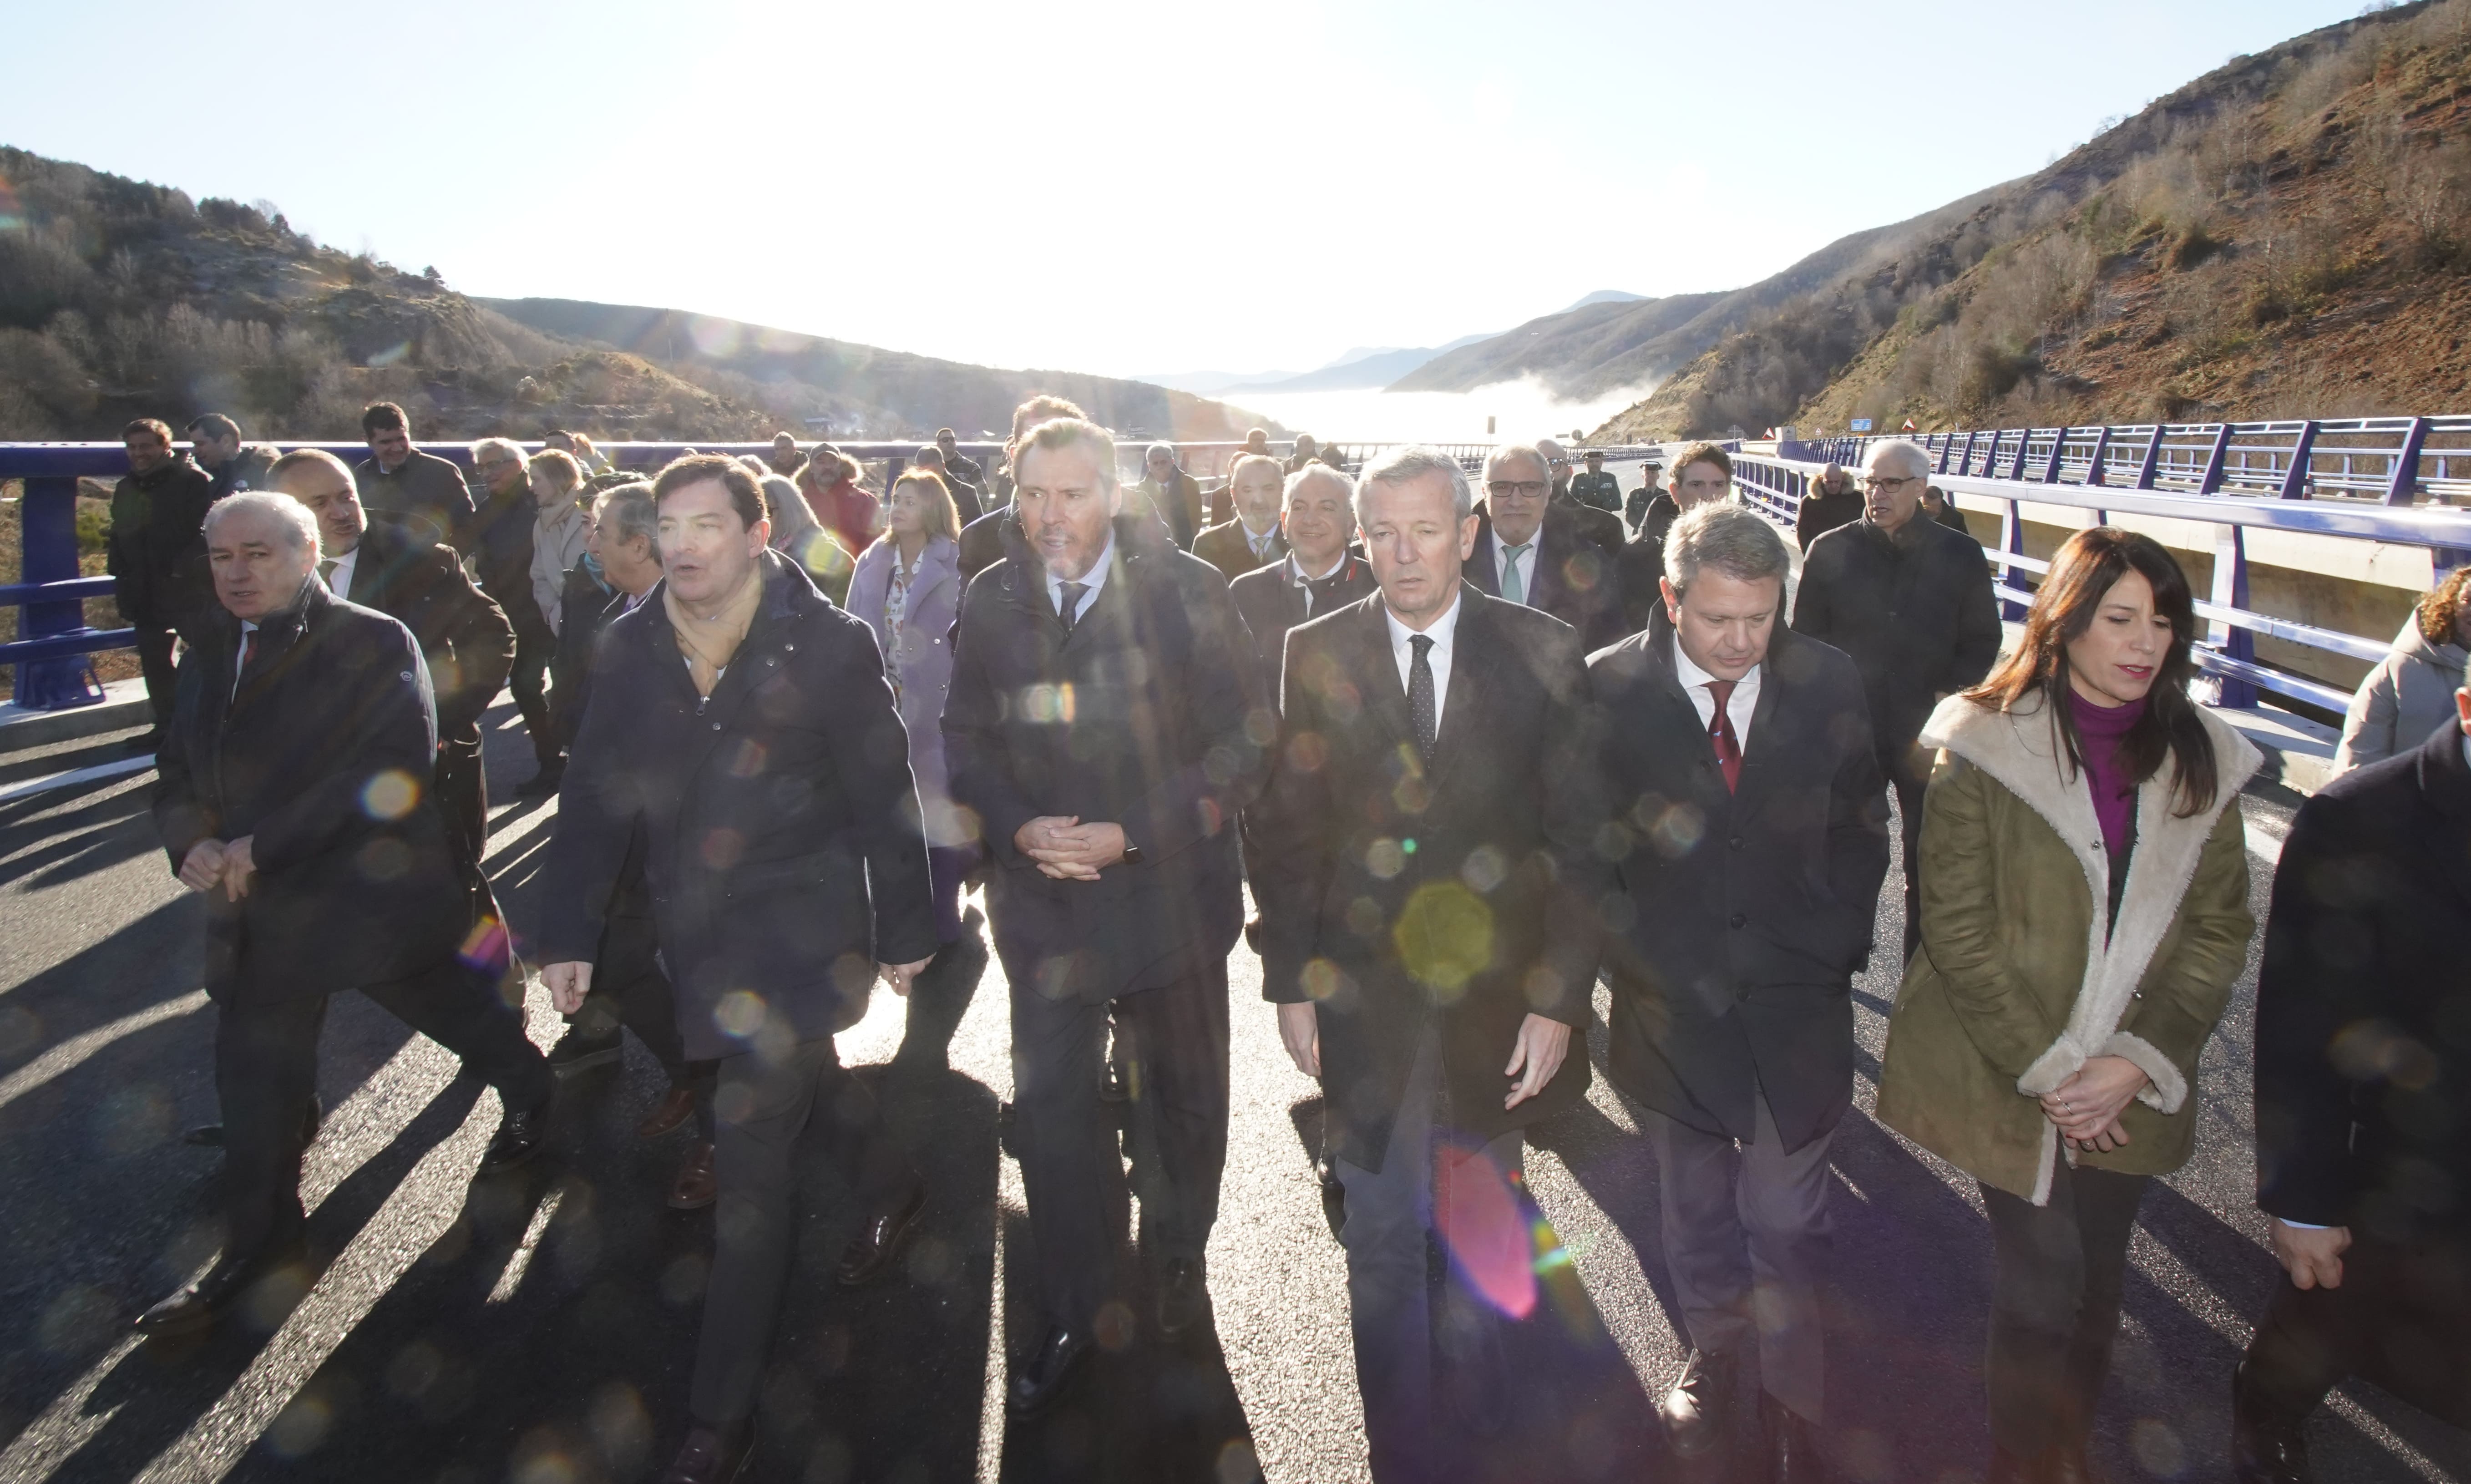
(1069, 609)
(326, 574)
(1422, 711)
(1720, 733)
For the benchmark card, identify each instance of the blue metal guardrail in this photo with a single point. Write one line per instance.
(55, 647)
(2401, 481)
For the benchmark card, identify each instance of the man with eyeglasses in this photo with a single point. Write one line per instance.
(1529, 550)
(1910, 599)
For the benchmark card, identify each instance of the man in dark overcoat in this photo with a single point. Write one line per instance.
(1318, 575)
(156, 558)
(2363, 1099)
(1106, 725)
(293, 793)
(1529, 550)
(745, 724)
(1910, 599)
(466, 638)
(1426, 862)
(1753, 837)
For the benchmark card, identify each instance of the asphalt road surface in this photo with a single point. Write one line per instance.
(538, 1328)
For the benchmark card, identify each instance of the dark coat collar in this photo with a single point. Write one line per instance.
(1139, 540)
(2445, 783)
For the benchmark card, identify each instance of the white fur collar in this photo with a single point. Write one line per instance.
(2021, 750)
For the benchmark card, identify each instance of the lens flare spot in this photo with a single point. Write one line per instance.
(1444, 936)
(1486, 1233)
(390, 795)
(1384, 859)
(740, 1013)
(484, 947)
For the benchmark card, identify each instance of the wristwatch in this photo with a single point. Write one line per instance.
(1131, 854)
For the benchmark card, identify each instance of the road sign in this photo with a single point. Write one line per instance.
(1861, 425)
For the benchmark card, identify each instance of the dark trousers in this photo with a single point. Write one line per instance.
(2055, 1304)
(1908, 771)
(155, 665)
(266, 1075)
(940, 996)
(463, 795)
(1389, 1236)
(631, 992)
(1177, 1078)
(767, 1106)
(535, 650)
(1747, 1239)
(2401, 1319)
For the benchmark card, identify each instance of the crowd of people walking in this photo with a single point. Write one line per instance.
(1478, 746)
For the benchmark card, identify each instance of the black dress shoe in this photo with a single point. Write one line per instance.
(546, 781)
(1700, 1407)
(198, 1304)
(2268, 1445)
(877, 1246)
(1184, 1295)
(713, 1455)
(575, 1051)
(1049, 1371)
(1790, 1442)
(211, 1136)
(519, 1137)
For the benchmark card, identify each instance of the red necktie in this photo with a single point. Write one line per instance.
(247, 651)
(1720, 733)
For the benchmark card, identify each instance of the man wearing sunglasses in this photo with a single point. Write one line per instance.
(1910, 599)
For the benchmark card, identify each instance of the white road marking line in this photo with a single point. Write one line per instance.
(76, 777)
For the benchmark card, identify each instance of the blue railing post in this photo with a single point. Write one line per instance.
(2012, 540)
(2016, 464)
(2210, 481)
(1965, 464)
(2101, 446)
(2051, 465)
(2146, 466)
(2230, 591)
(2294, 480)
(51, 556)
(2405, 482)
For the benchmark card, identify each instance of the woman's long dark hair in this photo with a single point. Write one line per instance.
(2081, 576)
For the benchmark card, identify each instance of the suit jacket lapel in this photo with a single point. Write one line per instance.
(1384, 698)
(2445, 783)
(1473, 652)
(1487, 572)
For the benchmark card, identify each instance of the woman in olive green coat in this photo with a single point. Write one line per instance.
(2085, 915)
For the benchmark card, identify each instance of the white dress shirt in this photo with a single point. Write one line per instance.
(1694, 684)
(339, 581)
(1501, 564)
(1258, 540)
(1095, 579)
(1296, 574)
(1443, 632)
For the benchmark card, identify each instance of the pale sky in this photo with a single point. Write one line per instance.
(1115, 187)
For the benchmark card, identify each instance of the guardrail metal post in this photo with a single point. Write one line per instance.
(2210, 481)
(2101, 446)
(2051, 465)
(2294, 480)
(2230, 591)
(2012, 540)
(1965, 463)
(49, 530)
(2404, 480)
(2145, 466)
(2017, 465)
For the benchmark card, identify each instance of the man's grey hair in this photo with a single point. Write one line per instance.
(627, 511)
(1915, 458)
(929, 454)
(299, 527)
(1156, 450)
(1066, 433)
(1322, 471)
(507, 447)
(1504, 451)
(1409, 463)
(1733, 538)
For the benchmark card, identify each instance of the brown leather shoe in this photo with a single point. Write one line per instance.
(696, 1186)
(877, 1246)
(675, 1107)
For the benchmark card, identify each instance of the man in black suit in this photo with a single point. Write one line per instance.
(1426, 862)
(1112, 883)
(408, 488)
(967, 498)
(466, 638)
(1319, 574)
(741, 706)
(1250, 539)
(1910, 599)
(1703, 474)
(293, 792)
(1528, 551)
(2362, 1093)
(1755, 835)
